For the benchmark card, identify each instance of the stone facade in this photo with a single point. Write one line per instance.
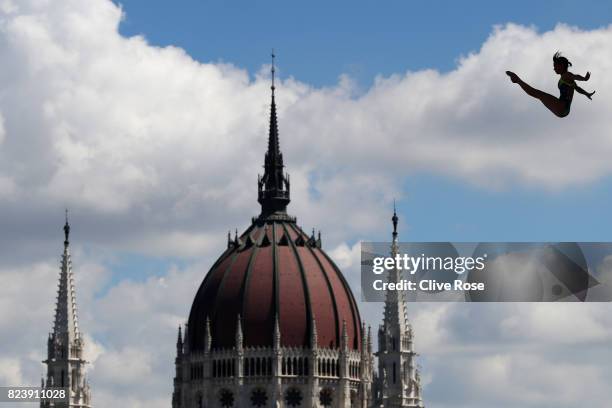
(273, 376)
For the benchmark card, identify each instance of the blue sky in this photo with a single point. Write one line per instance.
(318, 41)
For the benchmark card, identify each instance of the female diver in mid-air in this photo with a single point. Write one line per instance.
(567, 84)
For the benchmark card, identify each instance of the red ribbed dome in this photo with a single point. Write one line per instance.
(275, 269)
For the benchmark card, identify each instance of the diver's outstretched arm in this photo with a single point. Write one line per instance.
(582, 78)
(585, 93)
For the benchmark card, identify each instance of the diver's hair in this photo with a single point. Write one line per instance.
(559, 59)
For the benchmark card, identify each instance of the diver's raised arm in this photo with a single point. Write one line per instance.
(582, 78)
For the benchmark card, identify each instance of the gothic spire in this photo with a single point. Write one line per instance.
(66, 321)
(395, 308)
(395, 342)
(273, 186)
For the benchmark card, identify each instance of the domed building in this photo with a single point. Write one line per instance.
(274, 323)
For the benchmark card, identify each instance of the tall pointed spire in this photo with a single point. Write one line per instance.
(395, 353)
(66, 320)
(65, 362)
(273, 186)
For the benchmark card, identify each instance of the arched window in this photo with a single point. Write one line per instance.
(63, 379)
(246, 367)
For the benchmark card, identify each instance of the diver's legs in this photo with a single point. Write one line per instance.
(553, 103)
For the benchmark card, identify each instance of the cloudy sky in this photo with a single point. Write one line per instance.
(149, 121)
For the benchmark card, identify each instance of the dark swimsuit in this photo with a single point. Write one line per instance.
(567, 93)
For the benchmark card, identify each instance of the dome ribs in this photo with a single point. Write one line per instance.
(207, 291)
(258, 299)
(306, 291)
(226, 309)
(275, 282)
(294, 312)
(354, 307)
(325, 308)
(270, 274)
(350, 308)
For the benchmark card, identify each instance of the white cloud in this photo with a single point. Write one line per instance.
(125, 368)
(149, 140)
(10, 371)
(345, 256)
(157, 154)
(561, 323)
